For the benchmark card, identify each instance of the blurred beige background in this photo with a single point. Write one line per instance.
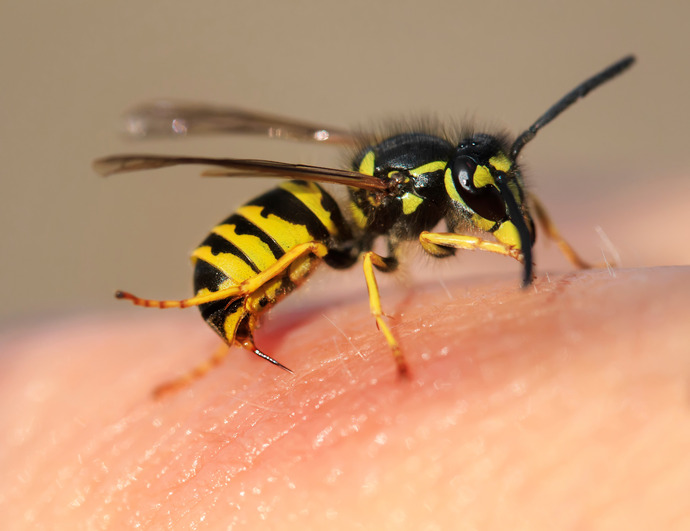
(69, 68)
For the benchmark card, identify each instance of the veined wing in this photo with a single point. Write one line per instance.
(177, 118)
(243, 167)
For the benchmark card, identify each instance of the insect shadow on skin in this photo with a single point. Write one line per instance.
(401, 185)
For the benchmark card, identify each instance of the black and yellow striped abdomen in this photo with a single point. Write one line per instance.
(256, 237)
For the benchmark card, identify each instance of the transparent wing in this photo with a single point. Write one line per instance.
(177, 118)
(243, 167)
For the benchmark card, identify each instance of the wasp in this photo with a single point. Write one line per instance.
(401, 187)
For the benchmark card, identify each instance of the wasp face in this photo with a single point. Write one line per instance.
(472, 177)
(486, 184)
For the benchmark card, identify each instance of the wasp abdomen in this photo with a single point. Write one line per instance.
(252, 240)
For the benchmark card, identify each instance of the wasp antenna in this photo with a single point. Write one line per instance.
(516, 216)
(566, 101)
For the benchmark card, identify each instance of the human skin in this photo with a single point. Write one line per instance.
(562, 406)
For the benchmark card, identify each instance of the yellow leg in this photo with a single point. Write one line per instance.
(371, 260)
(240, 290)
(553, 233)
(432, 241)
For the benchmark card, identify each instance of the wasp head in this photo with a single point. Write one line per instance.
(486, 185)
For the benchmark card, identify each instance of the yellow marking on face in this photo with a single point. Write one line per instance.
(508, 234)
(254, 248)
(410, 202)
(482, 177)
(311, 195)
(285, 234)
(501, 162)
(482, 223)
(233, 266)
(358, 215)
(367, 165)
(430, 167)
(450, 187)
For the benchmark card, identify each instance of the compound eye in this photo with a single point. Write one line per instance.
(485, 201)
(463, 173)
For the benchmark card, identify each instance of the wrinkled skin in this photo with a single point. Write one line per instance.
(560, 407)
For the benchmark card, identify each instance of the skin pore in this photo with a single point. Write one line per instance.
(563, 406)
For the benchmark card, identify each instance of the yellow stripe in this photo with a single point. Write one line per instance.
(270, 291)
(367, 165)
(508, 234)
(430, 167)
(285, 234)
(410, 203)
(482, 223)
(232, 320)
(358, 215)
(227, 283)
(482, 177)
(450, 187)
(301, 268)
(500, 162)
(233, 266)
(311, 195)
(254, 248)
(514, 187)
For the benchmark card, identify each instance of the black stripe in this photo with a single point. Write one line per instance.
(219, 245)
(331, 206)
(207, 276)
(286, 206)
(215, 313)
(244, 226)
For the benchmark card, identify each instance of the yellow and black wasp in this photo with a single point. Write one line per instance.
(400, 188)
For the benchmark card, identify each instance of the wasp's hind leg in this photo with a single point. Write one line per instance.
(232, 292)
(240, 290)
(197, 372)
(237, 315)
(242, 337)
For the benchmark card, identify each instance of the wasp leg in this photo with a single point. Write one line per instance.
(197, 372)
(434, 242)
(371, 261)
(553, 233)
(240, 290)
